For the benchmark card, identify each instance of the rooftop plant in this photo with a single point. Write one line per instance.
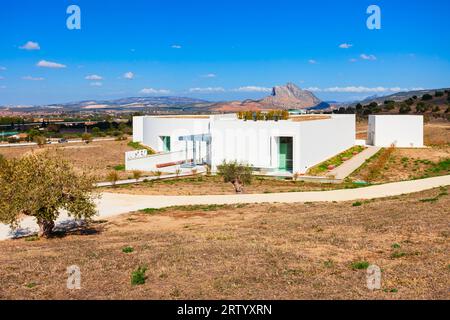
(263, 116)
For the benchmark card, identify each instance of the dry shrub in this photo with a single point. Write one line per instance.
(375, 169)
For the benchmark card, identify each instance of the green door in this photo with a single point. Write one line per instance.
(166, 143)
(285, 154)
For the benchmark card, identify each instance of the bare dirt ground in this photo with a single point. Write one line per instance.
(264, 251)
(98, 157)
(437, 133)
(203, 185)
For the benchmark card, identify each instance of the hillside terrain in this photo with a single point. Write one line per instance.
(284, 97)
(399, 96)
(434, 104)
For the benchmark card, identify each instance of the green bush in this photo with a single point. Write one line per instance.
(427, 97)
(138, 276)
(127, 249)
(360, 265)
(236, 173)
(120, 167)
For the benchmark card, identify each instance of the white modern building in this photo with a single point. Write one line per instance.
(401, 131)
(283, 146)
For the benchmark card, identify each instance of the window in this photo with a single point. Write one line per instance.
(166, 143)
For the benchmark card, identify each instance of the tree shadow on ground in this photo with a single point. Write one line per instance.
(65, 228)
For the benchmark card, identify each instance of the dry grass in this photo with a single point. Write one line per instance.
(403, 164)
(204, 185)
(98, 157)
(266, 251)
(437, 134)
(407, 164)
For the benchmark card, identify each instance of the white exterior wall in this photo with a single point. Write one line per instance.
(320, 140)
(256, 142)
(150, 162)
(403, 131)
(251, 142)
(155, 127)
(138, 129)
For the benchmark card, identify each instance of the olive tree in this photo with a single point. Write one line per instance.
(40, 185)
(236, 173)
(86, 137)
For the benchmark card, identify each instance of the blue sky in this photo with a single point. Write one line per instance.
(219, 50)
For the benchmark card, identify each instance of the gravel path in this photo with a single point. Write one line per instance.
(112, 204)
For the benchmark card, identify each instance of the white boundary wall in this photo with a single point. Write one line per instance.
(402, 131)
(150, 162)
(174, 127)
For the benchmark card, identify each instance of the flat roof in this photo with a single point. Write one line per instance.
(309, 118)
(186, 116)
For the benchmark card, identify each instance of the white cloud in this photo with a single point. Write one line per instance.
(94, 77)
(30, 78)
(30, 45)
(2, 78)
(345, 46)
(207, 90)
(154, 91)
(209, 75)
(176, 46)
(353, 60)
(368, 57)
(2, 87)
(360, 89)
(96, 84)
(253, 89)
(50, 64)
(128, 75)
(2, 68)
(312, 61)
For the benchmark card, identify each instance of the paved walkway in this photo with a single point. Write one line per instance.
(346, 169)
(114, 204)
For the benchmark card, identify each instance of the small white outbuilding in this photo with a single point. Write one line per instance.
(401, 131)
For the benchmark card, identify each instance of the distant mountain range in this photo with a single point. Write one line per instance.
(288, 96)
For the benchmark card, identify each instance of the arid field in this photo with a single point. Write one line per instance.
(265, 251)
(98, 157)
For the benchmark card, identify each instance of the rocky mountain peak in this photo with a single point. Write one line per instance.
(290, 96)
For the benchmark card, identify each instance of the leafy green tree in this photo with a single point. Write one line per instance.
(236, 173)
(32, 133)
(86, 137)
(404, 108)
(40, 185)
(389, 106)
(427, 97)
(39, 140)
(95, 131)
(409, 102)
